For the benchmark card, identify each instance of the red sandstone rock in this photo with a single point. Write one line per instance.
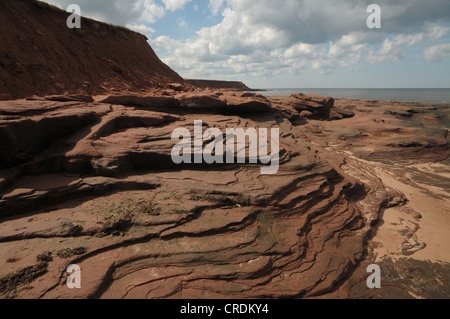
(70, 98)
(5, 97)
(139, 100)
(99, 176)
(229, 85)
(205, 101)
(246, 103)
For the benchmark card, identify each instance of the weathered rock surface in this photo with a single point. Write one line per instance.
(247, 103)
(301, 106)
(195, 102)
(229, 85)
(93, 184)
(320, 107)
(140, 100)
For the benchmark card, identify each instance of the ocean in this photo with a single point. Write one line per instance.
(393, 95)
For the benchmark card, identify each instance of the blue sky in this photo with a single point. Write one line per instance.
(292, 43)
(196, 15)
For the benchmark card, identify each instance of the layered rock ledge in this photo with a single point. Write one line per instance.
(90, 181)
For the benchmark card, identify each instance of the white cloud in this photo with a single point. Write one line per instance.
(396, 49)
(437, 32)
(183, 24)
(141, 28)
(348, 50)
(437, 53)
(121, 12)
(215, 6)
(174, 5)
(165, 44)
(390, 51)
(304, 50)
(151, 12)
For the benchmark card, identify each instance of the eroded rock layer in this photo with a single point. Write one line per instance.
(93, 184)
(230, 85)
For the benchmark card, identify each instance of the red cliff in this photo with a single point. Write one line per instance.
(40, 55)
(213, 84)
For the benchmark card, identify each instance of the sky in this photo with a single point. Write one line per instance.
(291, 43)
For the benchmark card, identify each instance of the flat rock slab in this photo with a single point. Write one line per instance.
(218, 103)
(138, 100)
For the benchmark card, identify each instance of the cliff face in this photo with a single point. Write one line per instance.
(40, 55)
(233, 85)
